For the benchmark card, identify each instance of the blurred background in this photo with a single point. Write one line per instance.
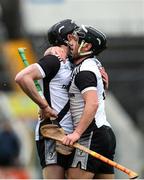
(24, 23)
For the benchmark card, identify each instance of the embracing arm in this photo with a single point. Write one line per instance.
(105, 77)
(57, 51)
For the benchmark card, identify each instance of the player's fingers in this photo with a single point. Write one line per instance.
(71, 143)
(66, 141)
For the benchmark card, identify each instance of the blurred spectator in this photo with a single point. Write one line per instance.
(10, 166)
(9, 147)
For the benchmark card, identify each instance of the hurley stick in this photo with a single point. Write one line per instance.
(130, 173)
(53, 132)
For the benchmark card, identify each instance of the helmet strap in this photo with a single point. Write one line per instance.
(83, 53)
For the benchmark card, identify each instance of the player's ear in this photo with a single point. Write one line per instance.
(69, 37)
(87, 46)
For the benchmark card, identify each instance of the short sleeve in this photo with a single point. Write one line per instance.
(86, 80)
(50, 65)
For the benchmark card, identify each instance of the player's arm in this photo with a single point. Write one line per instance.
(26, 77)
(105, 77)
(86, 82)
(91, 106)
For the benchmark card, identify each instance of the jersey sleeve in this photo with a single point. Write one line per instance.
(86, 80)
(50, 65)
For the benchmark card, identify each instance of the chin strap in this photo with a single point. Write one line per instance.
(83, 53)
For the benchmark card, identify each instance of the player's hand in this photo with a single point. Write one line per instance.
(57, 51)
(70, 139)
(104, 77)
(47, 112)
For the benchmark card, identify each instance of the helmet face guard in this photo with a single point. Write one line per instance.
(90, 35)
(57, 34)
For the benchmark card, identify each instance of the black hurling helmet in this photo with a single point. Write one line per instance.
(57, 34)
(91, 35)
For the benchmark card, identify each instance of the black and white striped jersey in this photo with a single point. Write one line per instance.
(56, 78)
(86, 76)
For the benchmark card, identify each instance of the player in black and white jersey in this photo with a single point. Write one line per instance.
(87, 104)
(54, 76)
